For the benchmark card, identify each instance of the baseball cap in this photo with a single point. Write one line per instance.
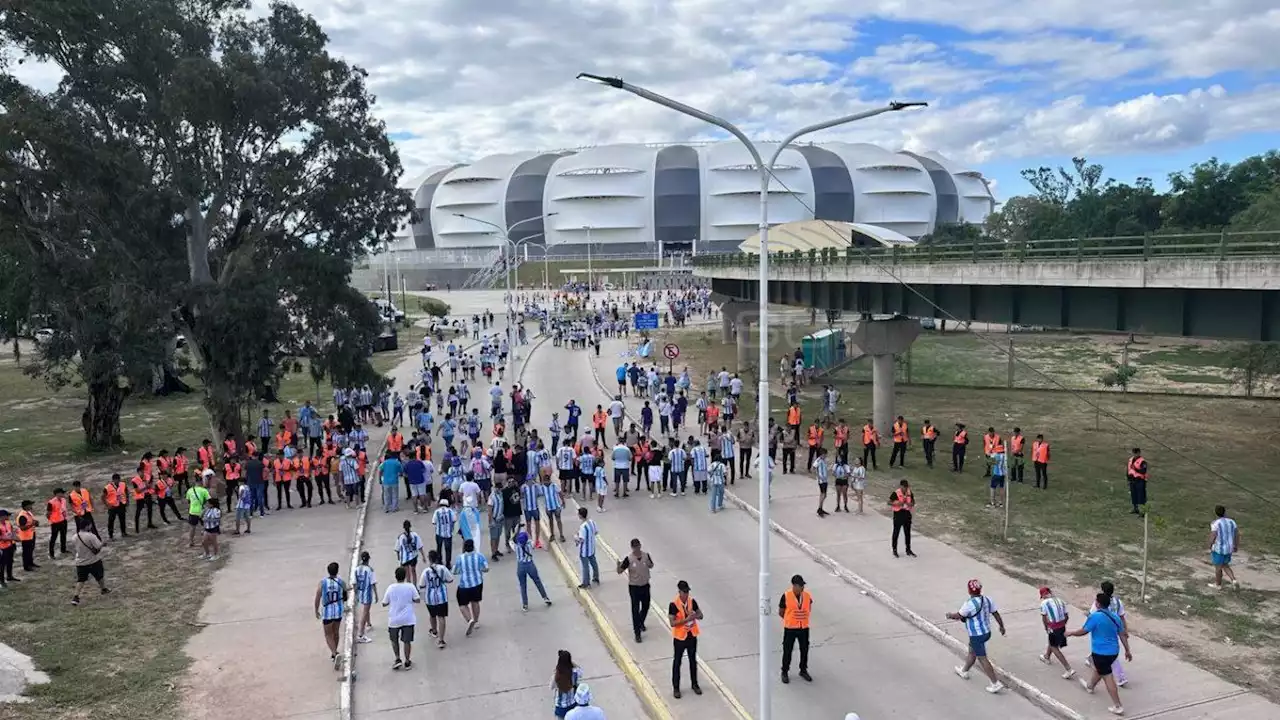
(207, 473)
(1045, 591)
(975, 586)
(582, 695)
(444, 502)
(797, 580)
(682, 586)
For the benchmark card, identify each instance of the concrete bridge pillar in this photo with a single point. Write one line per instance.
(883, 340)
(726, 325)
(744, 340)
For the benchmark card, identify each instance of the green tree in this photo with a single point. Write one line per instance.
(1262, 213)
(1212, 193)
(1255, 367)
(85, 230)
(1120, 375)
(281, 173)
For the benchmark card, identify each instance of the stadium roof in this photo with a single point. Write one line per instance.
(808, 235)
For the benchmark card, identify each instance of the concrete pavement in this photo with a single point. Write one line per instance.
(860, 648)
(505, 668)
(1161, 685)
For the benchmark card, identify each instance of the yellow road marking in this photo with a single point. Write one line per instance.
(738, 708)
(617, 648)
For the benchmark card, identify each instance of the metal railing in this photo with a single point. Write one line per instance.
(1209, 246)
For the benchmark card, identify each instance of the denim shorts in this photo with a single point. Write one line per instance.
(978, 644)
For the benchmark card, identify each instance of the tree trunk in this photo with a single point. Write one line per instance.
(101, 417)
(224, 407)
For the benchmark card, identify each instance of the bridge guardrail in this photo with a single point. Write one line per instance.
(1134, 247)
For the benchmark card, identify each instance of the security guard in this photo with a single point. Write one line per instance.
(903, 503)
(870, 441)
(27, 536)
(990, 441)
(684, 615)
(1137, 474)
(901, 437)
(928, 441)
(959, 445)
(794, 608)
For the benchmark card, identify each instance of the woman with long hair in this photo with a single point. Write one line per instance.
(565, 683)
(408, 549)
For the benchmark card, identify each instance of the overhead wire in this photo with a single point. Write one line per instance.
(1075, 393)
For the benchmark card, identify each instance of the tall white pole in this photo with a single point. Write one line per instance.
(762, 402)
(590, 285)
(386, 273)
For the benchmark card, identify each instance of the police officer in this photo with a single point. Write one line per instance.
(794, 608)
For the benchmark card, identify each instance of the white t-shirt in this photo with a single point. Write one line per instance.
(735, 386)
(615, 409)
(400, 598)
(470, 494)
(590, 712)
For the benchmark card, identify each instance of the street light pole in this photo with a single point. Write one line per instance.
(762, 410)
(506, 263)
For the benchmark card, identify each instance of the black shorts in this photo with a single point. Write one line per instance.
(404, 633)
(568, 473)
(1058, 637)
(411, 562)
(214, 530)
(353, 491)
(84, 572)
(438, 611)
(1102, 663)
(193, 520)
(842, 482)
(333, 621)
(466, 596)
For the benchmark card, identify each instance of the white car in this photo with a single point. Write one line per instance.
(43, 335)
(389, 310)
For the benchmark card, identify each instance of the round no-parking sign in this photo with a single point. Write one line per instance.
(671, 351)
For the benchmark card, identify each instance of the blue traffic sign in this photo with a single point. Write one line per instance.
(646, 321)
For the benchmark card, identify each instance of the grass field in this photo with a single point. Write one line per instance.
(1080, 531)
(118, 657)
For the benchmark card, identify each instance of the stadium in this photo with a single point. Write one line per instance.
(689, 197)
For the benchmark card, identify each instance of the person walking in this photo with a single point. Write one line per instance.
(715, 477)
(197, 497)
(527, 570)
(586, 541)
(1136, 471)
(408, 550)
(392, 471)
(331, 593)
(366, 587)
(903, 504)
(1224, 541)
(88, 562)
(638, 565)
(684, 614)
(565, 682)
(976, 613)
(435, 579)
(794, 608)
(401, 619)
(530, 493)
(116, 497)
(901, 438)
(1107, 633)
(469, 568)
(444, 520)
(582, 707)
(1054, 616)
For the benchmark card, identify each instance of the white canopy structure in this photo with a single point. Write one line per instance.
(819, 235)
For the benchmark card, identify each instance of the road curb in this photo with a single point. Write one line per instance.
(626, 661)
(1035, 695)
(348, 650)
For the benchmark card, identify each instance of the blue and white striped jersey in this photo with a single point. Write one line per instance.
(678, 458)
(407, 546)
(470, 568)
(551, 495)
(434, 579)
(699, 458)
(365, 580)
(976, 612)
(444, 519)
(587, 539)
(331, 591)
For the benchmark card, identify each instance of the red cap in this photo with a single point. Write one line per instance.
(1045, 591)
(975, 586)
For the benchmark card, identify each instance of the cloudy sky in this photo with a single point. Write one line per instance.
(1144, 86)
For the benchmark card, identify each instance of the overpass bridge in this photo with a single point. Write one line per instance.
(1220, 286)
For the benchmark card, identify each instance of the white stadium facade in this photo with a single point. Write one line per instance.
(620, 199)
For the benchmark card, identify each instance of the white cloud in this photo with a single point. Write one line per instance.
(1057, 77)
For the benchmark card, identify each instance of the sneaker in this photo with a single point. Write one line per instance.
(1044, 660)
(1215, 586)
(364, 639)
(547, 601)
(804, 675)
(408, 664)
(397, 664)
(471, 627)
(75, 600)
(1085, 684)
(961, 672)
(1116, 710)
(432, 632)
(524, 608)
(1068, 674)
(995, 687)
